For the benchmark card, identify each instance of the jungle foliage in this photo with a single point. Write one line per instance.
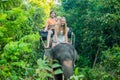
(94, 22)
(20, 50)
(96, 26)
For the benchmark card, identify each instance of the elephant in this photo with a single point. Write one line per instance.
(66, 55)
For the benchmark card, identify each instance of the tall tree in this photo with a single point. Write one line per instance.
(95, 24)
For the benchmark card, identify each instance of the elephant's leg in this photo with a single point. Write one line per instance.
(58, 77)
(67, 69)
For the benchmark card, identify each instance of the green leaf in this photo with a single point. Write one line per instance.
(3, 16)
(56, 65)
(58, 71)
(4, 0)
(1, 34)
(76, 71)
(50, 75)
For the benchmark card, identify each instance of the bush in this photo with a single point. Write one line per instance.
(107, 69)
(20, 56)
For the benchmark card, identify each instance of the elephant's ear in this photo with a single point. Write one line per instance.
(48, 53)
(76, 57)
(74, 53)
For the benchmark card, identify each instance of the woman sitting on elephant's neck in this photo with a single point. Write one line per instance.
(61, 32)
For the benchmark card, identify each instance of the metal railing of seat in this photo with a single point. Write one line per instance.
(42, 41)
(72, 39)
(43, 35)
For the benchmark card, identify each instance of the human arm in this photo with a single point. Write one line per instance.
(55, 34)
(46, 26)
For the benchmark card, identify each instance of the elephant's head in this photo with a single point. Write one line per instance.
(66, 55)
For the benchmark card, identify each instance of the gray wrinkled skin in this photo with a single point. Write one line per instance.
(63, 52)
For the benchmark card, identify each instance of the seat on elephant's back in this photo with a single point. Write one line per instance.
(44, 34)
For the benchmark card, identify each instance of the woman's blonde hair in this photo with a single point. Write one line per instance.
(64, 26)
(59, 17)
(58, 20)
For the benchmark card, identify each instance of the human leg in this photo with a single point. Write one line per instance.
(48, 38)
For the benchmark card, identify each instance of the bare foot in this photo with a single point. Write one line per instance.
(47, 47)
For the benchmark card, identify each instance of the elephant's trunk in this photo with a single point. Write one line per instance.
(67, 68)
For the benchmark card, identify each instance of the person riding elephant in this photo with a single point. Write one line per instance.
(61, 32)
(50, 24)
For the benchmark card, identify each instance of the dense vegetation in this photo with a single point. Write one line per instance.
(96, 25)
(94, 22)
(20, 21)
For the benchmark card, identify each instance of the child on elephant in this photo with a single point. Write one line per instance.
(51, 22)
